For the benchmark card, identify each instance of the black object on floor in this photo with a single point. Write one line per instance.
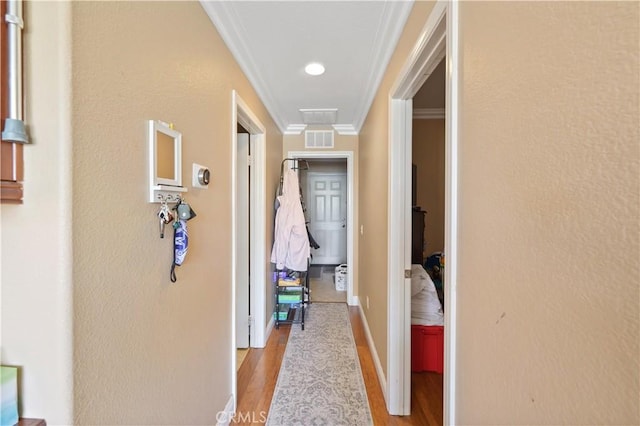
(315, 271)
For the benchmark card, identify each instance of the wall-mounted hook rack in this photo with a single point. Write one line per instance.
(168, 197)
(170, 194)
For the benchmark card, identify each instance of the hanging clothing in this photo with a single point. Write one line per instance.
(291, 243)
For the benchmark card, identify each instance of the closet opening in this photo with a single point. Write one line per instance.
(249, 274)
(243, 244)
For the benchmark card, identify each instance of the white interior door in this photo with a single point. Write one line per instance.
(242, 242)
(327, 215)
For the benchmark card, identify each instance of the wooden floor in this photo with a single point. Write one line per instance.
(259, 372)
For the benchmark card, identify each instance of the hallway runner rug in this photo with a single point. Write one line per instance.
(320, 380)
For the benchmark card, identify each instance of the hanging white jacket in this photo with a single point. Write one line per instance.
(291, 243)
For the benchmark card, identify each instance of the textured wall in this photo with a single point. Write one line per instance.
(147, 351)
(548, 289)
(428, 156)
(36, 235)
(374, 177)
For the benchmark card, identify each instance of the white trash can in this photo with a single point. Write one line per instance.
(341, 277)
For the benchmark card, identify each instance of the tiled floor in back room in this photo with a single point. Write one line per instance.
(322, 285)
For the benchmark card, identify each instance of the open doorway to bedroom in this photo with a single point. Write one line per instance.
(427, 247)
(438, 39)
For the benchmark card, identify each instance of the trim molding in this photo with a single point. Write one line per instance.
(356, 301)
(241, 113)
(398, 12)
(451, 210)
(345, 129)
(224, 18)
(428, 113)
(427, 53)
(295, 129)
(269, 329)
(374, 352)
(399, 257)
(224, 418)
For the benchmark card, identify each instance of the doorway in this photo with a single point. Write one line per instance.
(438, 39)
(428, 205)
(248, 243)
(332, 157)
(243, 242)
(324, 187)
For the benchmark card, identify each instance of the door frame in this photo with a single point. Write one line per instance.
(439, 37)
(241, 113)
(352, 300)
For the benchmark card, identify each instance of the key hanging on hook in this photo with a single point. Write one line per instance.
(164, 217)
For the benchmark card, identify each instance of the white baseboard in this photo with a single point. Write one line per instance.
(354, 301)
(223, 418)
(374, 353)
(269, 329)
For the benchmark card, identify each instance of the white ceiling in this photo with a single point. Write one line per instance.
(274, 40)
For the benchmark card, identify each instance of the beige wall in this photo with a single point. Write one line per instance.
(428, 156)
(549, 219)
(147, 351)
(341, 143)
(36, 235)
(374, 189)
(548, 275)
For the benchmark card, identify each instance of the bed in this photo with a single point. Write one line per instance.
(426, 308)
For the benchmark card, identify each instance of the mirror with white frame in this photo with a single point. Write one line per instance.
(165, 162)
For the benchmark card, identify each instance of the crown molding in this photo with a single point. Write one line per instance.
(226, 21)
(345, 129)
(295, 129)
(396, 14)
(428, 113)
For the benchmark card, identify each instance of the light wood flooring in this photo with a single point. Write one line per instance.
(258, 374)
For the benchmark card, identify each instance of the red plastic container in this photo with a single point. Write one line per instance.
(427, 348)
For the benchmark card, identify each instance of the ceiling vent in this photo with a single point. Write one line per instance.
(318, 139)
(319, 116)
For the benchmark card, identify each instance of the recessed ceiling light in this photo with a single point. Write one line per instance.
(314, 68)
